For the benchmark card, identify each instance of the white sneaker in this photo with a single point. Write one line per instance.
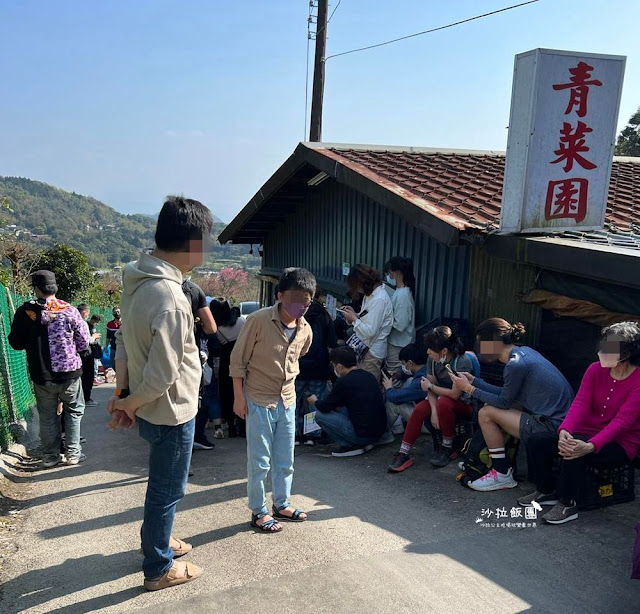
(494, 481)
(219, 434)
(74, 460)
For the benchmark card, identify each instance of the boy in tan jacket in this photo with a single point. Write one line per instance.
(264, 366)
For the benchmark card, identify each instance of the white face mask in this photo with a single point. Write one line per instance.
(608, 361)
(443, 359)
(391, 281)
(336, 372)
(406, 370)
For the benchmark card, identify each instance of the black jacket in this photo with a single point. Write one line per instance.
(315, 364)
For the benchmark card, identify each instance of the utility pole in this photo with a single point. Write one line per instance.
(315, 132)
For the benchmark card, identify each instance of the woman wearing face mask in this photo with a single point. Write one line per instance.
(443, 405)
(399, 275)
(602, 428)
(374, 322)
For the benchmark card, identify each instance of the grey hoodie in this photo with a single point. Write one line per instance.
(156, 338)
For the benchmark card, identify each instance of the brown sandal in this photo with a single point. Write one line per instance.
(171, 578)
(184, 548)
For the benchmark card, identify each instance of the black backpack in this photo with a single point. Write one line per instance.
(476, 461)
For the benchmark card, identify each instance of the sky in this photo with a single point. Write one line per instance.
(129, 101)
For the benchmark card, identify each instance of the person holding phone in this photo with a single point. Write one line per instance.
(443, 405)
(535, 397)
(400, 402)
(374, 322)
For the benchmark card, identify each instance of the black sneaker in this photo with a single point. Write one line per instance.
(400, 462)
(442, 457)
(344, 452)
(202, 443)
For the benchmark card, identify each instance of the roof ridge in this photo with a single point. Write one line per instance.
(402, 149)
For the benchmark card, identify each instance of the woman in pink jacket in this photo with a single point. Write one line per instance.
(602, 427)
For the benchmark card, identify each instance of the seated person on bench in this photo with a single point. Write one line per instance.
(535, 397)
(401, 401)
(602, 428)
(443, 405)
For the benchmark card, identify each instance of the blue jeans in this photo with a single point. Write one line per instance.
(338, 427)
(48, 395)
(211, 400)
(270, 445)
(169, 459)
(304, 389)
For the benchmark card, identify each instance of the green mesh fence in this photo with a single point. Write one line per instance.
(16, 391)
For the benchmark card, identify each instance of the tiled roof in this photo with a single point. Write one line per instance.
(466, 188)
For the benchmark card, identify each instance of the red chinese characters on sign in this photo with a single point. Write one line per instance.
(579, 85)
(572, 145)
(567, 198)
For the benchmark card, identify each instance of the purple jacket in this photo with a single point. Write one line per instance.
(68, 335)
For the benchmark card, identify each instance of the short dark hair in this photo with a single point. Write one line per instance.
(343, 355)
(96, 317)
(83, 307)
(442, 337)
(182, 220)
(222, 312)
(48, 289)
(365, 277)
(295, 278)
(414, 353)
(629, 334)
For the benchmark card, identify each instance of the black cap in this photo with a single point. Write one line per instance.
(43, 278)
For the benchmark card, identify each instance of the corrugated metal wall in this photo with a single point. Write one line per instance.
(337, 224)
(495, 289)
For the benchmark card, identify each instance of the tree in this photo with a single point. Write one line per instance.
(23, 258)
(73, 273)
(629, 139)
(105, 291)
(234, 284)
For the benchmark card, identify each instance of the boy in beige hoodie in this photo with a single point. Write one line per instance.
(159, 371)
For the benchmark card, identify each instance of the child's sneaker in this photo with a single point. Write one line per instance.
(494, 481)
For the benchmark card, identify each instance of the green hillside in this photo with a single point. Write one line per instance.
(45, 214)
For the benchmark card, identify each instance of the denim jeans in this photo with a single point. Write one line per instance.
(211, 400)
(304, 389)
(169, 459)
(270, 445)
(48, 395)
(339, 429)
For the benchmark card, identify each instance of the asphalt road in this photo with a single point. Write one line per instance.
(375, 542)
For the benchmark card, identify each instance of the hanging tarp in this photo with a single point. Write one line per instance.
(575, 308)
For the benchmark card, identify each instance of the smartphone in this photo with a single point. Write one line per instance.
(451, 370)
(386, 373)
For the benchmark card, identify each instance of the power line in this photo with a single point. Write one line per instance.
(334, 10)
(457, 23)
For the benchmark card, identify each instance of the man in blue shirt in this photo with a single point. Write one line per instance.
(401, 401)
